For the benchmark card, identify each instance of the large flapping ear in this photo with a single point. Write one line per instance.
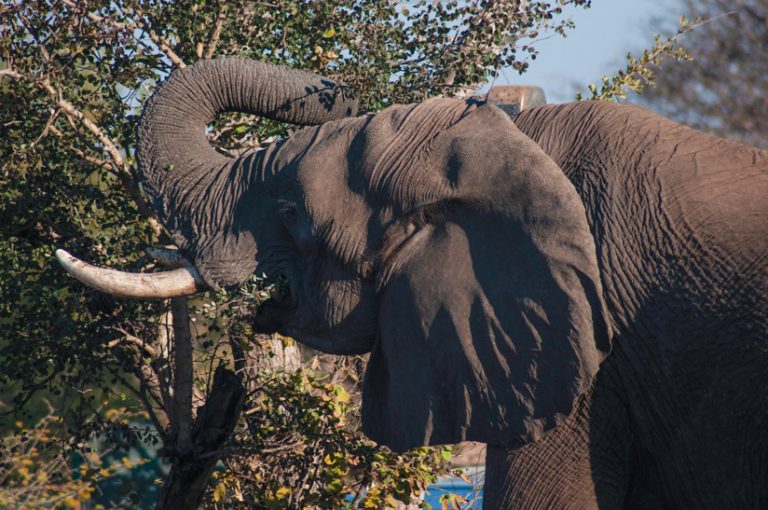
(492, 320)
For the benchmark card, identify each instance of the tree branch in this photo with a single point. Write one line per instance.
(217, 419)
(183, 376)
(121, 169)
(103, 163)
(138, 342)
(162, 43)
(216, 35)
(11, 74)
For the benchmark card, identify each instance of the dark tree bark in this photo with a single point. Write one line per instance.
(215, 422)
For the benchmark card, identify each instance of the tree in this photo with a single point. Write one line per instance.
(73, 76)
(722, 89)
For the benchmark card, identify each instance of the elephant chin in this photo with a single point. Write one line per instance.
(331, 343)
(274, 316)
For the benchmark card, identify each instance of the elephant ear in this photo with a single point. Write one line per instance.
(492, 320)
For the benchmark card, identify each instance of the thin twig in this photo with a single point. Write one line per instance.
(141, 344)
(46, 129)
(147, 404)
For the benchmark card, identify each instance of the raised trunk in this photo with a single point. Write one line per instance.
(194, 189)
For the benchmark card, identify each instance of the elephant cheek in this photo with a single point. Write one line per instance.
(342, 322)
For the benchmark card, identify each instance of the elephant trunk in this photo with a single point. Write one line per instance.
(172, 142)
(194, 189)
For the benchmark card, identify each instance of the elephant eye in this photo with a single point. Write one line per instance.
(287, 211)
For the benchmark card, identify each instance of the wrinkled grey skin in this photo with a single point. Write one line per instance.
(487, 265)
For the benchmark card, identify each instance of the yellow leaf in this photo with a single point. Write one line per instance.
(283, 492)
(219, 492)
(341, 394)
(127, 463)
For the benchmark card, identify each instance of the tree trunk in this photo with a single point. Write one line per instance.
(215, 422)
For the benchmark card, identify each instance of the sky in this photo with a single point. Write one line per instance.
(596, 47)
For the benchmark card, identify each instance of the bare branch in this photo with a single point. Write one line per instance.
(11, 74)
(138, 342)
(164, 358)
(107, 144)
(162, 43)
(216, 35)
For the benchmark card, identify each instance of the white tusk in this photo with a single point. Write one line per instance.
(167, 284)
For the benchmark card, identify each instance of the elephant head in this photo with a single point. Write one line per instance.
(436, 236)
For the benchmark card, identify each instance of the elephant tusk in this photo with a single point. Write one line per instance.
(167, 284)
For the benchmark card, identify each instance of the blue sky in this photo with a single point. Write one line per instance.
(596, 47)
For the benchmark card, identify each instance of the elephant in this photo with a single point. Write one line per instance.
(583, 287)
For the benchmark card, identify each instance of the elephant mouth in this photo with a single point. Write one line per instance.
(274, 313)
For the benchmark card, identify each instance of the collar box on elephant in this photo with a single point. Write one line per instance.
(583, 287)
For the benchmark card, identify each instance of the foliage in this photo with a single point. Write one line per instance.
(722, 90)
(296, 450)
(73, 76)
(640, 72)
(37, 471)
(301, 426)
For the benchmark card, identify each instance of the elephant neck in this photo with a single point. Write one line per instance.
(608, 151)
(582, 140)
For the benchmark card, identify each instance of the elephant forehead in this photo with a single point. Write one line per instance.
(393, 152)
